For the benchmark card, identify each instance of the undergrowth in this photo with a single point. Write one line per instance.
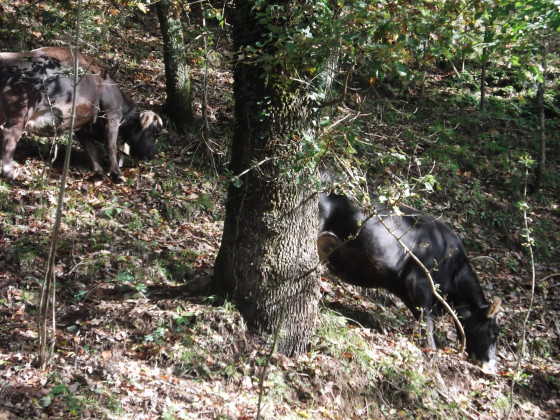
(138, 337)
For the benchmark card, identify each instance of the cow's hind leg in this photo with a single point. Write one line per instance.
(419, 301)
(9, 138)
(112, 134)
(93, 153)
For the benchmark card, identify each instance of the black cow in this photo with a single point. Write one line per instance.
(36, 91)
(366, 252)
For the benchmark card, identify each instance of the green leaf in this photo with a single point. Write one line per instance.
(58, 389)
(237, 182)
(401, 70)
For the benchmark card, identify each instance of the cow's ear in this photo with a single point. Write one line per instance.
(326, 243)
(494, 308)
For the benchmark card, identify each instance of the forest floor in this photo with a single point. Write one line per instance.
(138, 338)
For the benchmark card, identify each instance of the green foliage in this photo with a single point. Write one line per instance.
(128, 279)
(74, 404)
(394, 43)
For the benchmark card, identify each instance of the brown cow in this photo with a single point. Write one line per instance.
(36, 91)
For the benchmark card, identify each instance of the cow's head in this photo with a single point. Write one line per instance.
(141, 132)
(482, 332)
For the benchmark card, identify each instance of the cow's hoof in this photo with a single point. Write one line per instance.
(8, 176)
(96, 176)
(118, 178)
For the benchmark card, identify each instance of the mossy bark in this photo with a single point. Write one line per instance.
(178, 105)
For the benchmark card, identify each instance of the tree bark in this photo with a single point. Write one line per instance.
(268, 253)
(178, 105)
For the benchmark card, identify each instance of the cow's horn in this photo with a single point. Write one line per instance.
(148, 118)
(326, 243)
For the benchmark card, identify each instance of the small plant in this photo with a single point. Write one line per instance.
(65, 395)
(157, 336)
(540, 347)
(128, 279)
(172, 412)
(183, 319)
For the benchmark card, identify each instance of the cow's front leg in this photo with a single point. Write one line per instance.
(419, 301)
(429, 320)
(112, 134)
(9, 137)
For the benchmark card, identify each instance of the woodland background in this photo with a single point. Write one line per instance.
(136, 336)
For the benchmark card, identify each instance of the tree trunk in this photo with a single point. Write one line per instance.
(178, 106)
(483, 79)
(488, 37)
(268, 253)
(424, 68)
(540, 112)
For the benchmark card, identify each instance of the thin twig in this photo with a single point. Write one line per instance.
(549, 277)
(483, 257)
(533, 283)
(256, 166)
(49, 284)
(205, 124)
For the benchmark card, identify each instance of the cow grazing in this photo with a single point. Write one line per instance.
(365, 252)
(36, 91)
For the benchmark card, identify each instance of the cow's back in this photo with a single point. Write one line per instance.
(64, 56)
(11, 58)
(378, 252)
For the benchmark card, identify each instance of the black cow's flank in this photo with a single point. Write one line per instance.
(366, 252)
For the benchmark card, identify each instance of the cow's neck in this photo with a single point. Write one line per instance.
(129, 108)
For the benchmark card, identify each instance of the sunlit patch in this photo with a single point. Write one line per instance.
(490, 367)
